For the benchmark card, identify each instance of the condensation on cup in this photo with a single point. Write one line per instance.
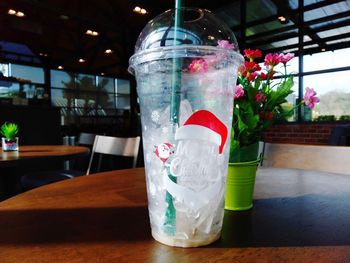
(185, 83)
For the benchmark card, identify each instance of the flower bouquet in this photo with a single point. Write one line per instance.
(260, 101)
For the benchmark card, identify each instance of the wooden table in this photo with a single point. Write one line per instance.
(298, 216)
(30, 152)
(15, 163)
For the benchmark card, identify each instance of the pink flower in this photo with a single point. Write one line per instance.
(252, 76)
(260, 97)
(264, 76)
(198, 66)
(272, 59)
(239, 92)
(225, 44)
(286, 57)
(310, 98)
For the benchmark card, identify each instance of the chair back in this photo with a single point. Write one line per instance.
(325, 158)
(128, 147)
(86, 139)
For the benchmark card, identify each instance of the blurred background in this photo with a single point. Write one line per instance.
(70, 58)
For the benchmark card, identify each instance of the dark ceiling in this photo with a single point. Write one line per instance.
(54, 30)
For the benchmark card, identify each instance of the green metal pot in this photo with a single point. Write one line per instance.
(240, 185)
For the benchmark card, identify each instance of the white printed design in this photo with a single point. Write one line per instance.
(155, 116)
(196, 161)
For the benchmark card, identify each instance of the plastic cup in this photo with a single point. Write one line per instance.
(185, 88)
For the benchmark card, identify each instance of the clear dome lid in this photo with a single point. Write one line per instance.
(198, 28)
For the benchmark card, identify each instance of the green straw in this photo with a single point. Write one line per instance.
(170, 213)
(176, 76)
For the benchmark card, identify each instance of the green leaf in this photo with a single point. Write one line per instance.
(279, 96)
(251, 92)
(9, 130)
(257, 83)
(250, 118)
(241, 125)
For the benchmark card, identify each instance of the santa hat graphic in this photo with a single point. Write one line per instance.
(203, 125)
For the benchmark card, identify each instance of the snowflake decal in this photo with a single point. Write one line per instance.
(155, 116)
(165, 130)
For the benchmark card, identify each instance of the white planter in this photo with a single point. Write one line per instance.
(9, 144)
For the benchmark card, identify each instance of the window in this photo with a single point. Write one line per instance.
(122, 94)
(62, 79)
(57, 98)
(6, 87)
(122, 86)
(106, 84)
(332, 86)
(21, 81)
(107, 100)
(4, 69)
(86, 82)
(84, 96)
(34, 74)
(327, 60)
(107, 90)
(333, 90)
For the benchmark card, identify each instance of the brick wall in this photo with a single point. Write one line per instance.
(303, 133)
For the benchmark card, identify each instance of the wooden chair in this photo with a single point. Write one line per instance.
(335, 159)
(128, 147)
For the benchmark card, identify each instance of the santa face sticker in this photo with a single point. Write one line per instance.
(163, 151)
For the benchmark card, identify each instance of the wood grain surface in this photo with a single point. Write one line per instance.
(29, 152)
(298, 216)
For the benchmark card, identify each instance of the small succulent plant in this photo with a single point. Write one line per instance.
(9, 130)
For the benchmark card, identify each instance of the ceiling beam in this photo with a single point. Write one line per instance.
(291, 27)
(332, 47)
(277, 38)
(290, 35)
(308, 43)
(293, 12)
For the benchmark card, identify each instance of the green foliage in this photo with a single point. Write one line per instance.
(260, 101)
(325, 118)
(252, 117)
(263, 103)
(9, 130)
(344, 118)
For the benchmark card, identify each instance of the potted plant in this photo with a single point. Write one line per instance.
(259, 102)
(9, 140)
